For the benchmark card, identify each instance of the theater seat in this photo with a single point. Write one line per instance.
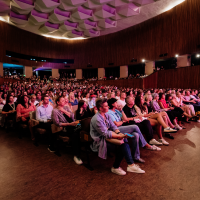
(35, 122)
(86, 138)
(85, 130)
(57, 129)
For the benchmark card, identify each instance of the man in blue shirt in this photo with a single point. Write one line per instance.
(43, 115)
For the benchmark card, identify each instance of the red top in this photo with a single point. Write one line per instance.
(163, 101)
(24, 112)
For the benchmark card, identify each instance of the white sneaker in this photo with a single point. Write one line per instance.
(135, 168)
(118, 171)
(78, 161)
(153, 148)
(155, 142)
(178, 127)
(163, 141)
(169, 130)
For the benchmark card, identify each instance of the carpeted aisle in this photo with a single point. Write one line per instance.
(29, 172)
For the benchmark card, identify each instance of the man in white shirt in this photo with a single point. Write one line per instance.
(43, 115)
(121, 102)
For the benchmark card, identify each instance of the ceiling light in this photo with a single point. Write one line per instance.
(172, 5)
(176, 55)
(143, 60)
(64, 38)
(198, 55)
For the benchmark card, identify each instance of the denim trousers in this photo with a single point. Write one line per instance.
(121, 151)
(137, 141)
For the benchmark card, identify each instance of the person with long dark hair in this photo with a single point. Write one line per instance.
(83, 110)
(62, 116)
(154, 118)
(23, 109)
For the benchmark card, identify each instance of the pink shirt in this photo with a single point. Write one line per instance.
(24, 112)
(163, 101)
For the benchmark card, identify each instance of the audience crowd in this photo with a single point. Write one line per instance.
(122, 119)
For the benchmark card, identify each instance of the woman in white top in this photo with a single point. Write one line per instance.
(177, 100)
(87, 98)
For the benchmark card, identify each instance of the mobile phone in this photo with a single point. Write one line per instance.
(129, 135)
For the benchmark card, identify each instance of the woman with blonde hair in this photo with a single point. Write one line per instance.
(72, 100)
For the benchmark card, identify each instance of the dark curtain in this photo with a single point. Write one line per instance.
(41, 73)
(67, 73)
(170, 63)
(90, 73)
(136, 69)
(112, 72)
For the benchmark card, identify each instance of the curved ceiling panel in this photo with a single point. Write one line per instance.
(80, 18)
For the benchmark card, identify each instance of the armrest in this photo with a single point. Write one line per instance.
(56, 129)
(34, 122)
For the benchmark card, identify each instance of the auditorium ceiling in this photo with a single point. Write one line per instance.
(80, 19)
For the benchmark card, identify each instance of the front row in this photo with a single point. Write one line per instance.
(118, 130)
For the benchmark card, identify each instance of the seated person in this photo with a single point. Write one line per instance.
(72, 99)
(180, 99)
(185, 109)
(63, 117)
(86, 97)
(121, 102)
(105, 133)
(41, 102)
(154, 118)
(143, 124)
(163, 112)
(173, 113)
(9, 109)
(83, 110)
(23, 109)
(67, 104)
(33, 100)
(43, 115)
(120, 119)
(188, 100)
(92, 102)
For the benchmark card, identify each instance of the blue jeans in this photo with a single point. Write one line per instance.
(121, 152)
(137, 141)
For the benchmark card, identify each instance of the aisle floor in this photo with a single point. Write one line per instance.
(29, 172)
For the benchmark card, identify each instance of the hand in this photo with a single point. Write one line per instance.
(140, 118)
(120, 107)
(73, 123)
(121, 136)
(171, 108)
(81, 110)
(120, 123)
(23, 119)
(49, 120)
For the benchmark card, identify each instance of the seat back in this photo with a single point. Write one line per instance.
(55, 128)
(74, 108)
(32, 115)
(85, 130)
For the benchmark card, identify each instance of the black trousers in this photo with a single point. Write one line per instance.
(145, 128)
(74, 139)
(177, 112)
(46, 126)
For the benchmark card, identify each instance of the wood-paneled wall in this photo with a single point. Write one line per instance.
(185, 77)
(175, 31)
(2, 80)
